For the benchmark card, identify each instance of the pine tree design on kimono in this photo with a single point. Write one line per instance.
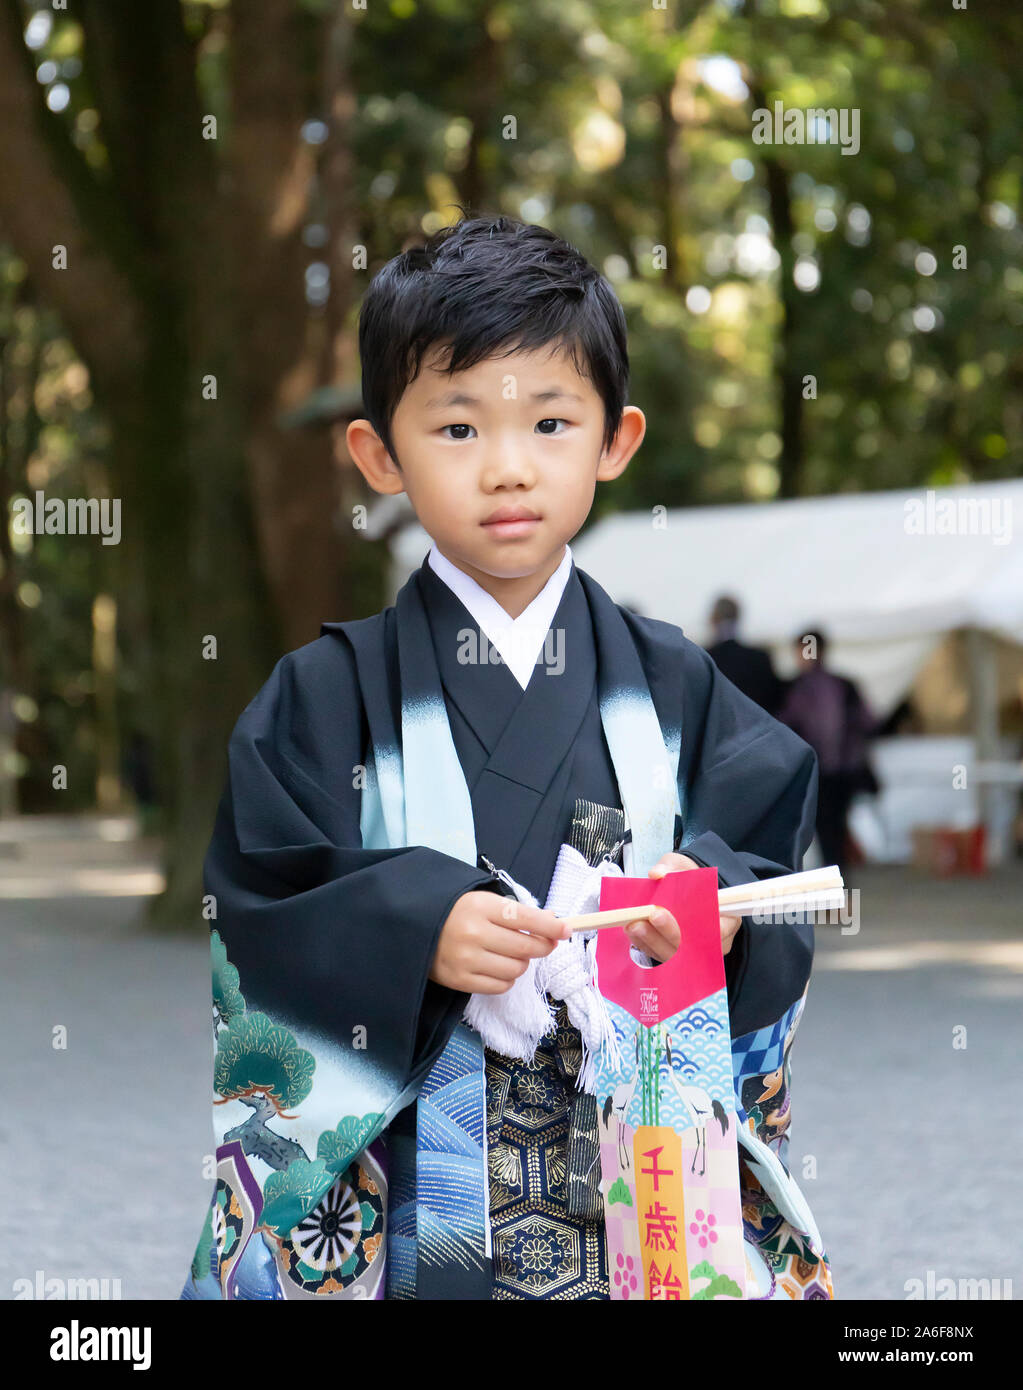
(668, 1141)
(312, 1227)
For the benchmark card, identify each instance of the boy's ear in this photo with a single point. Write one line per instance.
(615, 459)
(371, 458)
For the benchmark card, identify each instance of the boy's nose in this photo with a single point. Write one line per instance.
(507, 466)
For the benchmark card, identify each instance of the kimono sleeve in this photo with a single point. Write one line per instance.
(328, 937)
(749, 812)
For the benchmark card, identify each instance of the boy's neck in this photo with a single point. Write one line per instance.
(515, 594)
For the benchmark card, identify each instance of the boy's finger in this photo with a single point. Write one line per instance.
(729, 930)
(499, 967)
(672, 864)
(658, 937)
(661, 931)
(513, 945)
(487, 984)
(536, 920)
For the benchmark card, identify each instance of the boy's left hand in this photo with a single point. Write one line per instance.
(660, 936)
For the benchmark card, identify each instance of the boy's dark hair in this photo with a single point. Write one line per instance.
(483, 285)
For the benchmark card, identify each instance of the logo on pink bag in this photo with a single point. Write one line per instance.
(648, 1006)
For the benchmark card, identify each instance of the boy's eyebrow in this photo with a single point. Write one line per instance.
(553, 393)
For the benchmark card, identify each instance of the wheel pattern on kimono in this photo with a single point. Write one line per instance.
(234, 1210)
(337, 1244)
(228, 1228)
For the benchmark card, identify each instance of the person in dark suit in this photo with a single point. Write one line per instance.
(830, 714)
(749, 668)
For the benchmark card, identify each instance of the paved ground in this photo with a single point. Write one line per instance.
(101, 1142)
(916, 1139)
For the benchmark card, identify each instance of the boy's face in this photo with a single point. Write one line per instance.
(519, 434)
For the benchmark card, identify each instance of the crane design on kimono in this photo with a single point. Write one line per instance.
(617, 1104)
(779, 1118)
(699, 1106)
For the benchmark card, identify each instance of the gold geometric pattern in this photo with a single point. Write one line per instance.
(540, 1251)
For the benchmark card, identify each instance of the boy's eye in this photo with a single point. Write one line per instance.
(551, 420)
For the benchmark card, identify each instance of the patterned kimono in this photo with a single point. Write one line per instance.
(368, 1144)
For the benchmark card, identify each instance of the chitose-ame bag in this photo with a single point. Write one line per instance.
(668, 1125)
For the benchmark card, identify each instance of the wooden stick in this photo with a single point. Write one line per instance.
(802, 902)
(613, 917)
(811, 890)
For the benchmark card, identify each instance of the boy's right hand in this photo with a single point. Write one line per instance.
(488, 940)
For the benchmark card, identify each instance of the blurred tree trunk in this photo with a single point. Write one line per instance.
(18, 738)
(672, 187)
(183, 294)
(14, 676)
(788, 370)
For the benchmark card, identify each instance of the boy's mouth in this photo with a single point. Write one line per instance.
(508, 522)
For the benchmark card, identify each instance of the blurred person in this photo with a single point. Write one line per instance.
(748, 668)
(829, 713)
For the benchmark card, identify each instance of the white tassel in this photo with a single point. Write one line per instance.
(513, 1023)
(608, 1044)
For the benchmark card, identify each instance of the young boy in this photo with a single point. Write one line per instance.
(400, 1018)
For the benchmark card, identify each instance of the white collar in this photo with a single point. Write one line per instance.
(519, 640)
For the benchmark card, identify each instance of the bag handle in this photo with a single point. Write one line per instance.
(653, 993)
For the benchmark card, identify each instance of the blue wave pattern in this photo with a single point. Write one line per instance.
(439, 1216)
(701, 1061)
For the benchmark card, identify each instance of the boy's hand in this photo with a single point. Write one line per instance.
(660, 936)
(488, 940)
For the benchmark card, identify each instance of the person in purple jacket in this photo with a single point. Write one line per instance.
(828, 712)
